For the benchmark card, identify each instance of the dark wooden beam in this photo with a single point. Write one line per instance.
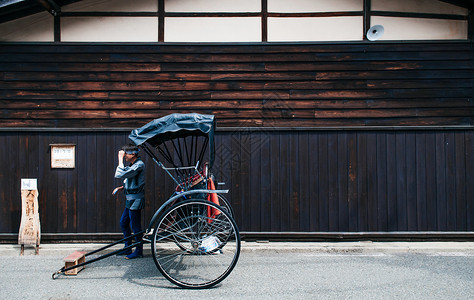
(57, 28)
(51, 6)
(315, 14)
(161, 21)
(418, 15)
(463, 3)
(470, 32)
(109, 14)
(212, 14)
(367, 14)
(264, 20)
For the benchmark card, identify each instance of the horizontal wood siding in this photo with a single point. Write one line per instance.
(293, 144)
(307, 85)
(303, 181)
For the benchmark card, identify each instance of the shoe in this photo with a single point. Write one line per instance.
(124, 252)
(136, 254)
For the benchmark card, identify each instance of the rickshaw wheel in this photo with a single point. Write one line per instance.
(195, 244)
(225, 205)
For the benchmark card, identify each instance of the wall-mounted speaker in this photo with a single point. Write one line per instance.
(375, 32)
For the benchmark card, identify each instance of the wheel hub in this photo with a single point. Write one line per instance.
(195, 245)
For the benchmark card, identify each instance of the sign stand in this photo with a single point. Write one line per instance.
(30, 228)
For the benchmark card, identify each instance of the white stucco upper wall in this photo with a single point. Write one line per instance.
(213, 30)
(315, 29)
(35, 28)
(109, 29)
(421, 29)
(40, 27)
(212, 6)
(295, 6)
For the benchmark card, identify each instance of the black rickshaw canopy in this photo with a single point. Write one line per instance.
(175, 126)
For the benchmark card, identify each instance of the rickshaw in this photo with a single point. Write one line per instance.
(195, 242)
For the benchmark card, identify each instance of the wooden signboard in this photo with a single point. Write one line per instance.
(63, 156)
(30, 228)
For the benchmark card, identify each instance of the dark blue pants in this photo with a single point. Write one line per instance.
(131, 221)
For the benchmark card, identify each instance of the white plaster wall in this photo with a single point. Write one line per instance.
(212, 6)
(201, 29)
(315, 29)
(420, 29)
(314, 5)
(35, 28)
(40, 27)
(109, 29)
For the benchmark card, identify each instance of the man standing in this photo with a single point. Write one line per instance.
(134, 189)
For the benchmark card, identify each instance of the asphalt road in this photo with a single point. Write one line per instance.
(258, 275)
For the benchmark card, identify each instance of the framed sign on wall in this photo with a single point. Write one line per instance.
(63, 156)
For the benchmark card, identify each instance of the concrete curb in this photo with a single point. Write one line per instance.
(361, 247)
(367, 247)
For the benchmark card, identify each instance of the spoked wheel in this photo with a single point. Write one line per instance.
(225, 204)
(196, 244)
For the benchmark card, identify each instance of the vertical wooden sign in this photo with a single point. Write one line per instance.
(30, 229)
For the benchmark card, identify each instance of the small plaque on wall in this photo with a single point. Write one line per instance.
(29, 184)
(63, 156)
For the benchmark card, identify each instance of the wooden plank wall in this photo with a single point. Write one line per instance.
(303, 181)
(341, 85)
(294, 144)
(70, 200)
(350, 181)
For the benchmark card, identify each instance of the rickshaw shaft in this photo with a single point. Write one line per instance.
(117, 242)
(63, 269)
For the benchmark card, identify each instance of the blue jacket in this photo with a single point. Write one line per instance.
(134, 179)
